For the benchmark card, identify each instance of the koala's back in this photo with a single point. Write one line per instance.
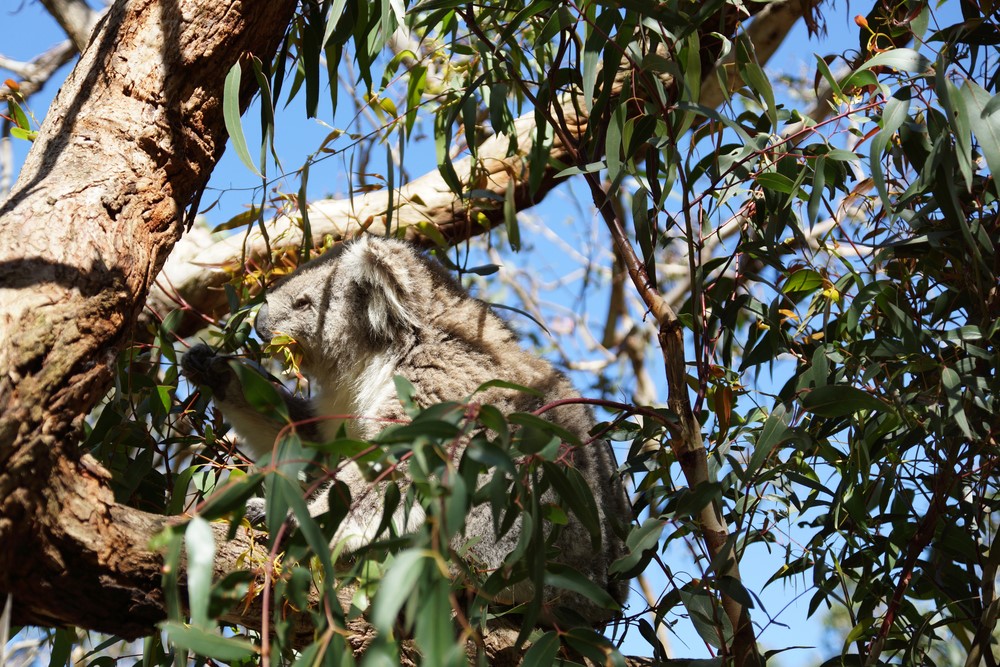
(377, 308)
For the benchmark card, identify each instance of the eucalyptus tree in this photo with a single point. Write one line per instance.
(801, 285)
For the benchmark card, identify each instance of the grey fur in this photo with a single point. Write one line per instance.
(376, 308)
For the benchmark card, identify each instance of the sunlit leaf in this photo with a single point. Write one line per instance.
(231, 114)
(207, 644)
(199, 541)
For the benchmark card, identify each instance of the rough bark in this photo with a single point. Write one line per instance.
(128, 143)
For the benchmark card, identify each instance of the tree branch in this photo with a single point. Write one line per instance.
(76, 18)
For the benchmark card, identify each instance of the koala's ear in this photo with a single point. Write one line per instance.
(381, 275)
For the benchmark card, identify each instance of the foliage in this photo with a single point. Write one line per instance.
(839, 302)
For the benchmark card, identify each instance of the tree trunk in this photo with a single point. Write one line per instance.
(129, 141)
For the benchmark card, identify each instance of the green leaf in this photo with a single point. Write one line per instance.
(21, 133)
(434, 631)
(594, 647)
(406, 393)
(262, 396)
(415, 87)
(562, 576)
(390, 176)
(735, 589)
(534, 421)
(589, 168)
(433, 429)
(239, 220)
(803, 280)
(904, 60)
(17, 113)
(207, 644)
(703, 615)
(442, 146)
(404, 573)
(777, 182)
(952, 384)
(510, 217)
(230, 497)
(840, 400)
(896, 110)
(310, 530)
(824, 70)
(542, 652)
(593, 46)
(171, 541)
(503, 384)
(755, 78)
(816, 191)
(62, 647)
(231, 116)
(574, 494)
(486, 453)
(199, 542)
(613, 142)
(771, 435)
(985, 124)
(641, 542)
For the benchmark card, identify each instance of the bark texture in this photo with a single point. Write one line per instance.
(129, 141)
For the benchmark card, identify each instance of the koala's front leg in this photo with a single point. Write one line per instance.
(204, 367)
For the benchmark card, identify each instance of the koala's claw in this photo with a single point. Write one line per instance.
(203, 366)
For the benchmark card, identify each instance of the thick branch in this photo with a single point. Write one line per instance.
(766, 32)
(76, 18)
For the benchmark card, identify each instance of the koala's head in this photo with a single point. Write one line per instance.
(362, 298)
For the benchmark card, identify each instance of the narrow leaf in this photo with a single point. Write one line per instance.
(207, 644)
(231, 116)
(771, 435)
(840, 400)
(199, 542)
(985, 122)
(398, 583)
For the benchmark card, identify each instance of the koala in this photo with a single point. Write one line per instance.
(375, 308)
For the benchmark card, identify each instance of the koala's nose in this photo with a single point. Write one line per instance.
(261, 325)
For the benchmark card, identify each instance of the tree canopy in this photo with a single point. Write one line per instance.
(779, 290)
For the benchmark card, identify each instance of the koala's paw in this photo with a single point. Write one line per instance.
(202, 366)
(255, 511)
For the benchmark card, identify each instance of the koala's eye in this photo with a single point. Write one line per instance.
(302, 302)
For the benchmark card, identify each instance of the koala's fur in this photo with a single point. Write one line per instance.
(376, 308)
